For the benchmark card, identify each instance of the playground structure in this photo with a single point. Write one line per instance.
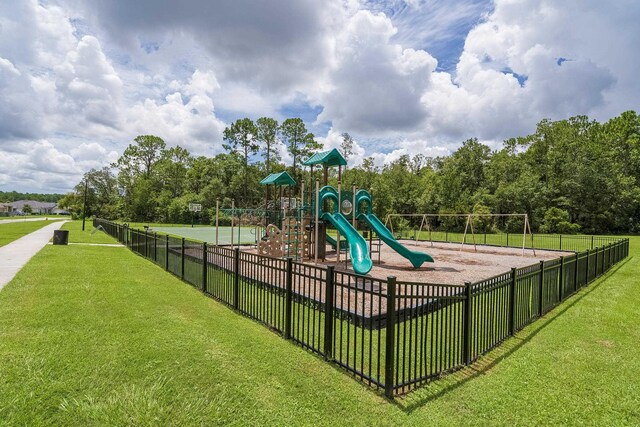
(298, 227)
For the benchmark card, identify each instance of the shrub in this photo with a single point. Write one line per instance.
(556, 220)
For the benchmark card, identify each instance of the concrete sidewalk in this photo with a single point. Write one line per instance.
(26, 219)
(17, 253)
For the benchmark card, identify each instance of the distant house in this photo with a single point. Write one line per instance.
(5, 209)
(59, 211)
(43, 208)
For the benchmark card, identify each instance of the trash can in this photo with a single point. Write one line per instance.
(60, 237)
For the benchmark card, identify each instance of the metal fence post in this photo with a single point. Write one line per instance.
(591, 242)
(328, 313)
(236, 278)
(575, 275)
(561, 242)
(512, 302)
(288, 303)
(595, 270)
(541, 290)
(146, 244)
(466, 325)
(389, 361)
(155, 246)
(205, 262)
(182, 259)
(560, 278)
(586, 275)
(166, 252)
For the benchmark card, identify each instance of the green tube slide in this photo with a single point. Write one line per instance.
(360, 259)
(358, 249)
(415, 258)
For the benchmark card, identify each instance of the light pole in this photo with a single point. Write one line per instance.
(84, 208)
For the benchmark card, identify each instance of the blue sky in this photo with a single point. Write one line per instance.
(79, 80)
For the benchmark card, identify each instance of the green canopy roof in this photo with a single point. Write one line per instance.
(282, 179)
(326, 158)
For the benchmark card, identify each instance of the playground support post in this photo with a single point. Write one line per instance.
(473, 237)
(315, 239)
(464, 236)
(533, 248)
(420, 231)
(353, 208)
(524, 234)
(338, 232)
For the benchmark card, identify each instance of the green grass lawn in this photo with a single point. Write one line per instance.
(76, 235)
(10, 231)
(50, 216)
(97, 335)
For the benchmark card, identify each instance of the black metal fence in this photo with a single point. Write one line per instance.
(390, 334)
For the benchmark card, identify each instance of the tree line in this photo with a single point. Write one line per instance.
(14, 196)
(573, 175)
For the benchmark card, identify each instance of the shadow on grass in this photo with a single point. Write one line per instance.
(422, 396)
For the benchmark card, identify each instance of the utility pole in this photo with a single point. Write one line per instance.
(84, 208)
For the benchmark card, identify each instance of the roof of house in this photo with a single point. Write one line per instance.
(282, 179)
(327, 158)
(19, 204)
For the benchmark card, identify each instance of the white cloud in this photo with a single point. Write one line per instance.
(7, 66)
(411, 149)
(529, 38)
(88, 86)
(79, 80)
(38, 165)
(334, 140)
(185, 117)
(376, 86)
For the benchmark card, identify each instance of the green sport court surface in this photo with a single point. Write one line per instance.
(246, 235)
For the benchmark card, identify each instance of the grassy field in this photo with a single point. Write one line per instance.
(97, 335)
(10, 231)
(76, 235)
(25, 217)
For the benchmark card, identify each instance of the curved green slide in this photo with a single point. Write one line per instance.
(358, 249)
(360, 259)
(415, 258)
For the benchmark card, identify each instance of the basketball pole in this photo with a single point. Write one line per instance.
(217, 212)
